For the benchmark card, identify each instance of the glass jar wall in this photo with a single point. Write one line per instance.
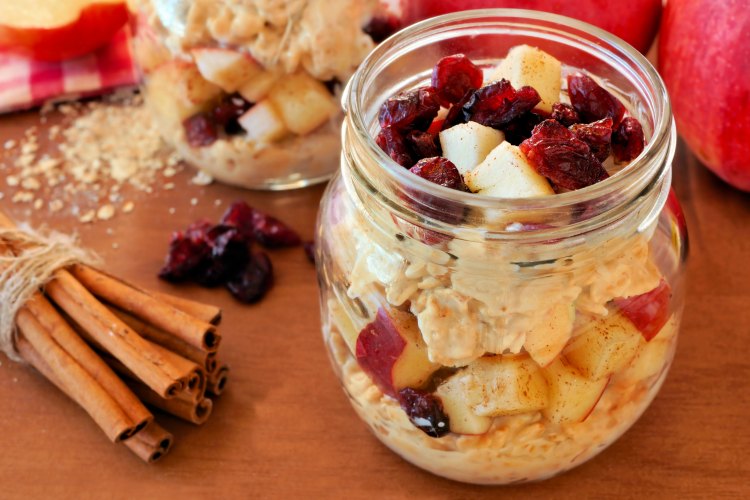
(495, 340)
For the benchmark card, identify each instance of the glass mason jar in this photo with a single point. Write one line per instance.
(249, 92)
(493, 340)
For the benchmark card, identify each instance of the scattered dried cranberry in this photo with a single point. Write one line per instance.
(252, 283)
(272, 233)
(229, 255)
(520, 129)
(598, 135)
(187, 252)
(565, 114)
(498, 103)
(200, 130)
(425, 410)
(593, 102)
(441, 171)
(409, 110)
(226, 113)
(556, 153)
(381, 27)
(309, 247)
(423, 144)
(453, 76)
(628, 140)
(394, 143)
(456, 112)
(240, 215)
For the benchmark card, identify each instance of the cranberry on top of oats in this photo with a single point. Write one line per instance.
(511, 131)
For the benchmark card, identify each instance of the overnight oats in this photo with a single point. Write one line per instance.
(500, 257)
(248, 90)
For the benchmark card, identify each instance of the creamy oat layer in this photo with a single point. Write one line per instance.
(323, 37)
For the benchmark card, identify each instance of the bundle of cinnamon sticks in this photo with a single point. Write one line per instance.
(116, 349)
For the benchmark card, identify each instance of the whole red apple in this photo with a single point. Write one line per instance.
(635, 21)
(704, 58)
(54, 30)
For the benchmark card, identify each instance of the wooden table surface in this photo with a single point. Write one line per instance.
(284, 428)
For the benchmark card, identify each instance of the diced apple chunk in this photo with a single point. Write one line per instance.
(572, 397)
(303, 102)
(229, 69)
(453, 394)
(176, 91)
(649, 361)
(506, 385)
(467, 144)
(528, 66)
(263, 123)
(258, 87)
(545, 342)
(506, 173)
(606, 346)
(392, 352)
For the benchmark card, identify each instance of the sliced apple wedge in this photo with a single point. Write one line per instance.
(391, 351)
(229, 69)
(506, 385)
(263, 123)
(303, 102)
(528, 66)
(468, 144)
(257, 88)
(572, 397)
(453, 394)
(545, 342)
(605, 346)
(506, 173)
(176, 90)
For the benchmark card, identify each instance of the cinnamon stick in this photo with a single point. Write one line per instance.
(113, 335)
(204, 312)
(183, 405)
(217, 381)
(140, 304)
(51, 320)
(150, 444)
(38, 348)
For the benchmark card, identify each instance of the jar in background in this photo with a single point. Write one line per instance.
(493, 340)
(247, 90)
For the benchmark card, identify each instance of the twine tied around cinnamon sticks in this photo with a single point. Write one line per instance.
(28, 262)
(110, 346)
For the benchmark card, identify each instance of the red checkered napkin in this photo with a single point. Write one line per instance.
(25, 83)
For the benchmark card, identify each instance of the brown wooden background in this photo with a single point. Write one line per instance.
(285, 430)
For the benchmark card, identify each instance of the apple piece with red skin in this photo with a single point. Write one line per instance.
(649, 312)
(572, 397)
(636, 21)
(391, 351)
(704, 47)
(55, 30)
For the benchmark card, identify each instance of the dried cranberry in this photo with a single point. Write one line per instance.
(565, 114)
(453, 76)
(520, 129)
(441, 171)
(556, 153)
(381, 27)
(425, 410)
(455, 114)
(188, 251)
(252, 283)
(229, 255)
(593, 102)
(628, 140)
(309, 247)
(498, 103)
(423, 144)
(200, 130)
(240, 215)
(229, 109)
(272, 233)
(394, 143)
(598, 135)
(411, 109)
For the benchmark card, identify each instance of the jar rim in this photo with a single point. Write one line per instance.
(641, 170)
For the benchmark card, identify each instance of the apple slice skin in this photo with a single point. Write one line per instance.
(95, 26)
(649, 312)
